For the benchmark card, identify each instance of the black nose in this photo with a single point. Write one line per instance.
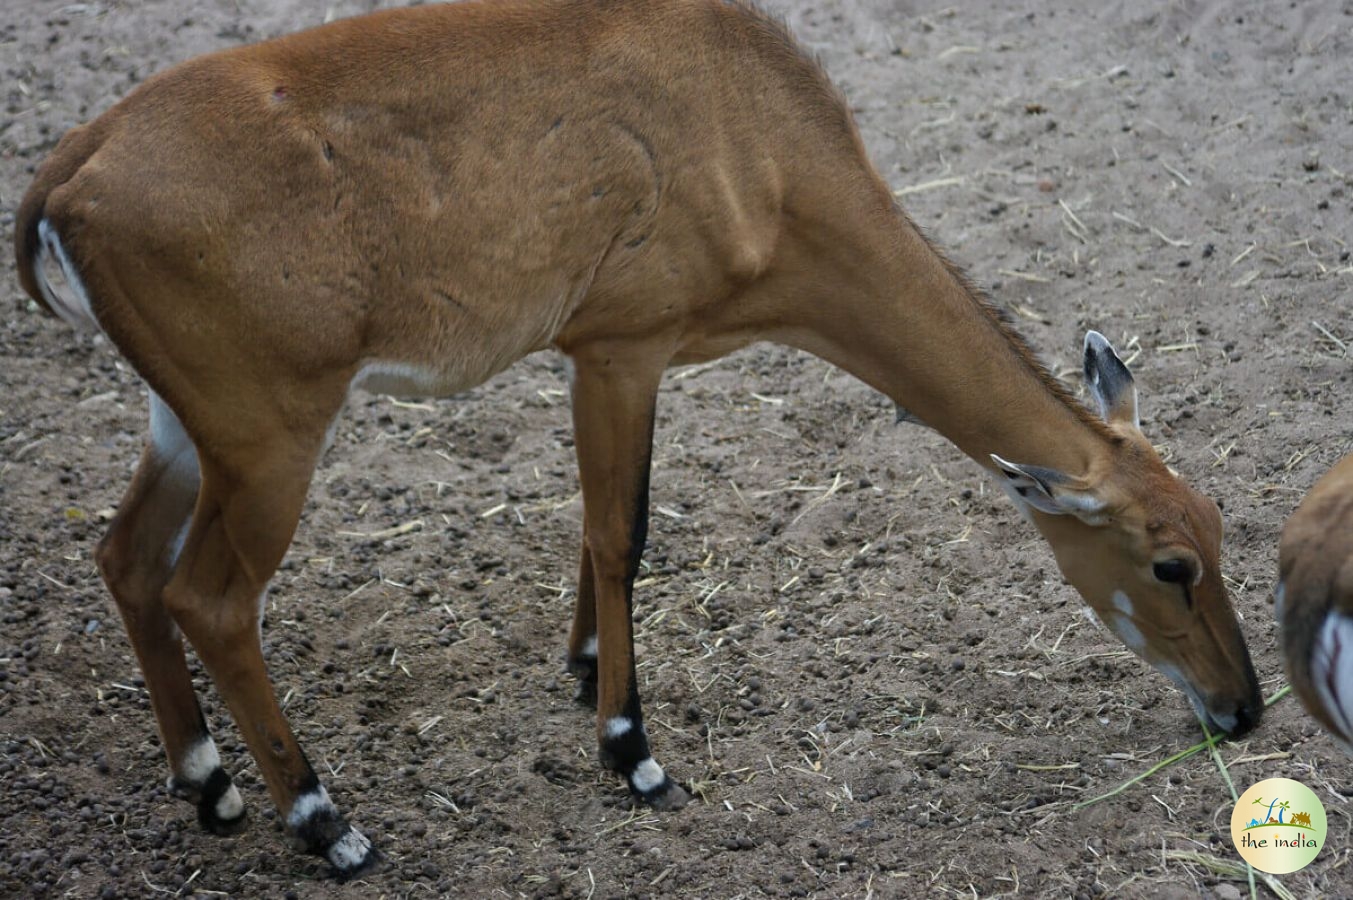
(1247, 716)
(1249, 711)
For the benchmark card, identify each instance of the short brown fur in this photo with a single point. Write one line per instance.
(1315, 570)
(424, 196)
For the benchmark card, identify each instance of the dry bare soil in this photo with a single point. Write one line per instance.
(861, 660)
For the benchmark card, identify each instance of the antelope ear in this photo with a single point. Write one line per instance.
(1050, 491)
(1109, 381)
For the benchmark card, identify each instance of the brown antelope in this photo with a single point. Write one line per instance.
(1314, 600)
(413, 200)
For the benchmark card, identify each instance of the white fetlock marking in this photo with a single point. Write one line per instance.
(618, 726)
(589, 650)
(72, 306)
(349, 851)
(308, 805)
(1332, 670)
(230, 806)
(199, 762)
(648, 776)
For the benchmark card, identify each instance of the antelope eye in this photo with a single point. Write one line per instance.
(1172, 571)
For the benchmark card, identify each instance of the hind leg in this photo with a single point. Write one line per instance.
(137, 557)
(253, 489)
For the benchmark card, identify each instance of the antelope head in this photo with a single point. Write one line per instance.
(1143, 549)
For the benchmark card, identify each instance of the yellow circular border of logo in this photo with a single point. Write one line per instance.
(1273, 846)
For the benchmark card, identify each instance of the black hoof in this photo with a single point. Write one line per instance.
(650, 785)
(665, 797)
(370, 863)
(213, 823)
(318, 828)
(220, 811)
(608, 761)
(585, 670)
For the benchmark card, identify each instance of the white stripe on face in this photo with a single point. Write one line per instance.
(1128, 633)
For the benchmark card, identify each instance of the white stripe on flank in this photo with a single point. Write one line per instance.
(648, 776)
(73, 305)
(262, 608)
(172, 445)
(176, 452)
(1332, 671)
(176, 545)
(396, 379)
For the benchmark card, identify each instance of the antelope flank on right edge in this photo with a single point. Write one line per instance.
(413, 200)
(1314, 601)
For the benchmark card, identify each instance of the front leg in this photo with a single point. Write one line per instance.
(614, 392)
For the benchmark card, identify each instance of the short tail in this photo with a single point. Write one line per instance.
(35, 238)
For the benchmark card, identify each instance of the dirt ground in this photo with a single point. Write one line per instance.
(853, 650)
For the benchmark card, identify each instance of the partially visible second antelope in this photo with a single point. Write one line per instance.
(1314, 602)
(413, 200)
